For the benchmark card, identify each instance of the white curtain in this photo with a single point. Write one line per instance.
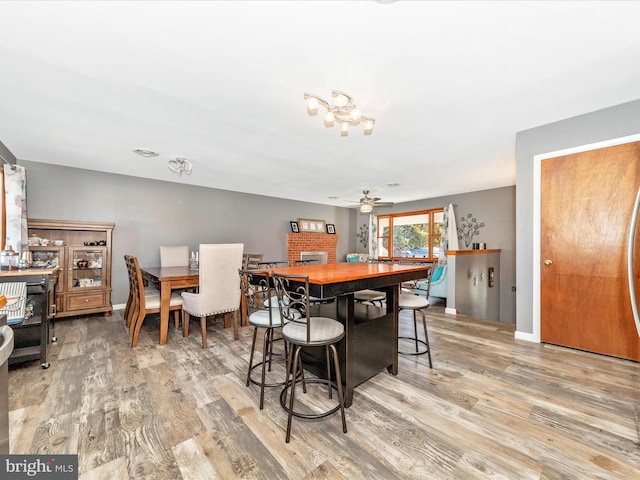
(15, 208)
(449, 235)
(373, 236)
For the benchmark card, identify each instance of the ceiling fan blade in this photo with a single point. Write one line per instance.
(373, 201)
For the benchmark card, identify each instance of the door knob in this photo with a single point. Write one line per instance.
(548, 262)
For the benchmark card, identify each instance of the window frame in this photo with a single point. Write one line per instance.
(432, 234)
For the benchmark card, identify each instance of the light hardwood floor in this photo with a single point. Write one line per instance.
(491, 407)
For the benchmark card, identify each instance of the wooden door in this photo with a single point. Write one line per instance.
(587, 201)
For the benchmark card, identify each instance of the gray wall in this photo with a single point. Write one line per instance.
(609, 123)
(494, 207)
(150, 213)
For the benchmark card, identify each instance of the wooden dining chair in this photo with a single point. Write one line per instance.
(250, 261)
(132, 306)
(128, 309)
(253, 260)
(219, 292)
(145, 301)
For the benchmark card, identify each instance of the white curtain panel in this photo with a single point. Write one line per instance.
(373, 236)
(450, 234)
(15, 203)
(2, 225)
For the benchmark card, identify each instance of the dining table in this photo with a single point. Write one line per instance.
(167, 279)
(370, 344)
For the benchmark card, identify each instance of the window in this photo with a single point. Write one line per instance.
(415, 235)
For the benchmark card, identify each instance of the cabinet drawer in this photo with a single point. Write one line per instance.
(81, 302)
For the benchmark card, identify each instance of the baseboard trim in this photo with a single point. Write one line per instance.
(451, 311)
(529, 337)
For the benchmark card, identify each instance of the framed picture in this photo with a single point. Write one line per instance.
(331, 228)
(294, 227)
(311, 226)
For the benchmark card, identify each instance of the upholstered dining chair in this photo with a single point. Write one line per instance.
(300, 331)
(415, 297)
(174, 255)
(219, 292)
(146, 301)
(262, 313)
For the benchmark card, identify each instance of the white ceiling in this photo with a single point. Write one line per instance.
(221, 83)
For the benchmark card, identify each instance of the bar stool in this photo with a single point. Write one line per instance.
(262, 313)
(409, 300)
(273, 264)
(306, 262)
(373, 297)
(306, 331)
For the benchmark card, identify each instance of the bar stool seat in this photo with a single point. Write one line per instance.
(324, 330)
(262, 319)
(409, 300)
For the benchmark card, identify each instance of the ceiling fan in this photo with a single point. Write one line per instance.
(367, 203)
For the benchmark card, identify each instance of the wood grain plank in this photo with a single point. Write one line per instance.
(116, 469)
(266, 427)
(57, 435)
(248, 456)
(148, 455)
(325, 471)
(192, 462)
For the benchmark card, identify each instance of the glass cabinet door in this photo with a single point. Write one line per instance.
(47, 257)
(85, 266)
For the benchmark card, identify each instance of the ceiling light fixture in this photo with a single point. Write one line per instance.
(180, 166)
(366, 208)
(344, 111)
(145, 152)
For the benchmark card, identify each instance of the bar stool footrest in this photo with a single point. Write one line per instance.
(257, 382)
(419, 352)
(311, 416)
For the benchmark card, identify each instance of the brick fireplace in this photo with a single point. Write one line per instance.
(311, 242)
